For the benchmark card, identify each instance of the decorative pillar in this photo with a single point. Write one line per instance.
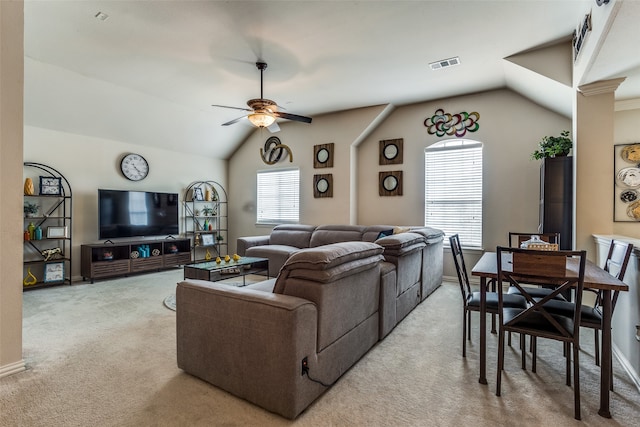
(593, 131)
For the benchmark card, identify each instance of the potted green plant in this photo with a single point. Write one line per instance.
(30, 209)
(553, 146)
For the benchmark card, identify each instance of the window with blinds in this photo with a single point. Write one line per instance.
(453, 189)
(278, 196)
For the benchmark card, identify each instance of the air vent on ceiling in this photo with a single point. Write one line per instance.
(444, 63)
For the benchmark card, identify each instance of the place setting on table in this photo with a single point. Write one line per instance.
(535, 259)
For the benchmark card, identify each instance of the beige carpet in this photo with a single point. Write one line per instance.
(103, 354)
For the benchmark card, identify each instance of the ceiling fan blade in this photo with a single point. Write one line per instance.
(233, 121)
(294, 117)
(273, 127)
(234, 108)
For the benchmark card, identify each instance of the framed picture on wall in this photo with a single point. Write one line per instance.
(626, 182)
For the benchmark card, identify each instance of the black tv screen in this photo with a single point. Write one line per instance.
(136, 214)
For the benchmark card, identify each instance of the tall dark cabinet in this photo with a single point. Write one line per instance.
(556, 198)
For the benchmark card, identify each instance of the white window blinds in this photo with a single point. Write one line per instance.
(453, 189)
(278, 196)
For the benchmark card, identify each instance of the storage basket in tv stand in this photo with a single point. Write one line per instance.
(104, 260)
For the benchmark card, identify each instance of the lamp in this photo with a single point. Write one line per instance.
(261, 119)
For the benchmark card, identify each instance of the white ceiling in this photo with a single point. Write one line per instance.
(149, 73)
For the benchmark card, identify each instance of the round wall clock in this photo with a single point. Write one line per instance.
(134, 167)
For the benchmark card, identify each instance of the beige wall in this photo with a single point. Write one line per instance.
(91, 163)
(11, 90)
(510, 128)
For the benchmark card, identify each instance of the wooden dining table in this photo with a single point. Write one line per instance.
(594, 277)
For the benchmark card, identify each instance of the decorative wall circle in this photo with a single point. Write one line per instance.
(390, 183)
(323, 155)
(322, 185)
(390, 151)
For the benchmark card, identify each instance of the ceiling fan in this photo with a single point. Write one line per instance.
(264, 112)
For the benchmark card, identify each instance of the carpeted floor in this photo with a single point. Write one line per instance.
(104, 354)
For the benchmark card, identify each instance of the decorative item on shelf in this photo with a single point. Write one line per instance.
(236, 257)
(32, 229)
(144, 251)
(323, 155)
(50, 186)
(37, 233)
(210, 227)
(30, 209)
(208, 211)
(29, 279)
(135, 254)
(390, 183)
(553, 146)
(227, 258)
(172, 249)
(206, 224)
(391, 152)
(50, 254)
(197, 194)
(107, 255)
(323, 185)
(208, 196)
(442, 123)
(219, 237)
(196, 240)
(207, 255)
(54, 272)
(196, 212)
(218, 260)
(207, 239)
(29, 190)
(26, 235)
(155, 252)
(57, 232)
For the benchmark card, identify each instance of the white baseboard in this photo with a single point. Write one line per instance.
(12, 368)
(633, 375)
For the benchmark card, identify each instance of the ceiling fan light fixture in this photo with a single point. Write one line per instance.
(261, 119)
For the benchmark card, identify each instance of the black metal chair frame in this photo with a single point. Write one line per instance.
(471, 300)
(541, 266)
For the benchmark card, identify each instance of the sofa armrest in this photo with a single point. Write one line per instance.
(244, 243)
(248, 342)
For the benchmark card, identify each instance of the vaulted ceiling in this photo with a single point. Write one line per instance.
(147, 72)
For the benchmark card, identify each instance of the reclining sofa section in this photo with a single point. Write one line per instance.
(324, 309)
(339, 289)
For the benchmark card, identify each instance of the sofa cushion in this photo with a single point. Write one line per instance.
(277, 255)
(328, 234)
(430, 234)
(398, 244)
(297, 235)
(329, 262)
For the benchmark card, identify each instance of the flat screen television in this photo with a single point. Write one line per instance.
(136, 214)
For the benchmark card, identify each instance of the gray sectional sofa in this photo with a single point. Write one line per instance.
(282, 342)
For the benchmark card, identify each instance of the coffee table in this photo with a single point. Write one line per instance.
(212, 271)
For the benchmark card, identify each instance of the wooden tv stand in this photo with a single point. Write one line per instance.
(112, 259)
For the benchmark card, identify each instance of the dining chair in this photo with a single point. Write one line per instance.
(591, 314)
(470, 299)
(517, 267)
(515, 240)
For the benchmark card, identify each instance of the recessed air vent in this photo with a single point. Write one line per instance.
(444, 63)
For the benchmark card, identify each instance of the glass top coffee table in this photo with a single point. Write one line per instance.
(213, 271)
